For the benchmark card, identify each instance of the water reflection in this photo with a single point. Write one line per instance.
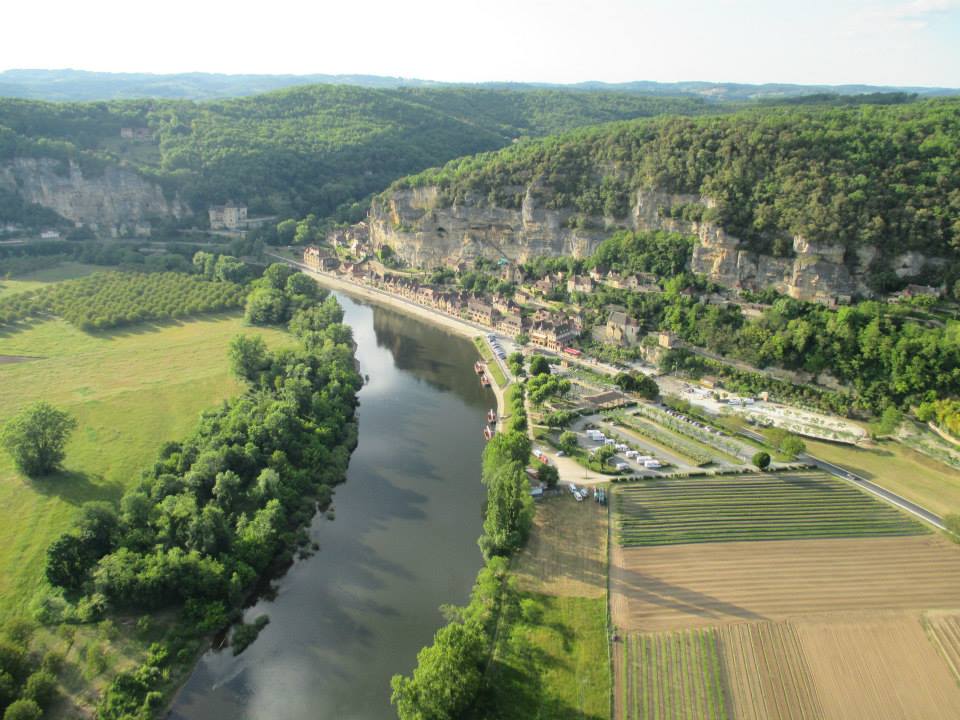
(403, 542)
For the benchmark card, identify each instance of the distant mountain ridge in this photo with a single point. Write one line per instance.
(78, 85)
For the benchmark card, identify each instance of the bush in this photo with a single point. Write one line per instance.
(23, 710)
(41, 687)
(761, 460)
(245, 634)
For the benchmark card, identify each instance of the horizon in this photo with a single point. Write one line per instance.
(902, 43)
(308, 75)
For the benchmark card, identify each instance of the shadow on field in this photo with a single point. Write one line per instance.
(150, 326)
(76, 487)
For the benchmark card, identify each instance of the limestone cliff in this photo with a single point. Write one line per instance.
(425, 234)
(112, 203)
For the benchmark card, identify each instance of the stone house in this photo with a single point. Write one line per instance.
(550, 336)
(580, 283)
(228, 217)
(621, 329)
(480, 311)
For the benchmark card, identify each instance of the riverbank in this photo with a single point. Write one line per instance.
(456, 326)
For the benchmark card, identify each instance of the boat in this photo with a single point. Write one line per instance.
(484, 380)
(479, 368)
(491, 415)
(487, 433)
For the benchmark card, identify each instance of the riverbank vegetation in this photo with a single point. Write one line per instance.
(214, 512)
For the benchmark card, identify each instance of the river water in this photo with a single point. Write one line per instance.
(403, 542)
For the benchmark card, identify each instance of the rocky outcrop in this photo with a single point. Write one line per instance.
(424, 234)
(115, 202)
(415, 224)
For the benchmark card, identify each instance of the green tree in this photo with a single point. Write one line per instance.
(539, 365)
(266, 306)
(761, 460)
(447, 677)
(249, 357)
(36, 438)
(791, 446)
(548, 474)
(568, 442)
(23, 710)
(286, 230)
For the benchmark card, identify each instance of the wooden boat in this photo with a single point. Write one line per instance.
(484, 380)
(479, 368)
(487, 433)
(491, 415)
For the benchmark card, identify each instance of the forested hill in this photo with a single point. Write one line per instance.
(881, 176)
(81, 85)
(306, 149)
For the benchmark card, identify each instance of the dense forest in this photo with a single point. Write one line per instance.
(884, 176)
(307, 149)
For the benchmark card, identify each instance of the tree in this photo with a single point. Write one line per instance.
(23, 710)
(568, 442)
(539, 365)
(548, 474)
(36, 438)
(447, 677)
(761, 460)
(791, 446)
(639, 383)
(249, 357)
(266, 306)
(286, 230)
(231, 269)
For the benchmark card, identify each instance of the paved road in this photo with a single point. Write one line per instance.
(845, 474)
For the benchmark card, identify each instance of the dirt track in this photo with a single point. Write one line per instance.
(683, 586)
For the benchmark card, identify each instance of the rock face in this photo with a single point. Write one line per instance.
(424, 234)
(114, 203)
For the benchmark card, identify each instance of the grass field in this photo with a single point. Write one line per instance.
(567, 551)
(671, 676)
(130, 391)
(900, 469)
(553, 663)
(492, 365)
(40, 278)
(667, 511)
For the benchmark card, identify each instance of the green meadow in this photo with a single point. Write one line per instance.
(130, 390)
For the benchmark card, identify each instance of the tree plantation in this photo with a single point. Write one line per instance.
(111, 299)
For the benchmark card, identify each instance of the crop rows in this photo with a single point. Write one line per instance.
(672, 676)
(766, 673)
(685, 427)
(667, 511)
(697, 456)
(946, 632)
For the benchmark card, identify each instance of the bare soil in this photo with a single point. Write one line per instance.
(878, 668)
(713, 584)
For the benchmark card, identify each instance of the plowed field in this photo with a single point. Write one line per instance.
(870, 668)
(684, 586)
(766, 673)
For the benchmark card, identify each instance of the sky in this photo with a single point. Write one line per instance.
(913, 42)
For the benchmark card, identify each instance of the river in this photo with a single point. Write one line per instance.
(403, 542)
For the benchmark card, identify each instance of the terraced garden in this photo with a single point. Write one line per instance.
(669, 511)
(672, 676)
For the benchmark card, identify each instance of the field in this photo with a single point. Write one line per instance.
(712, 584)
(41, 278)
(944, 629)
(668, 511)
(900, 469)
(878, 667)
(567, 551)
(553, 660)
(767, 674)
(671, 676)
(130, 390)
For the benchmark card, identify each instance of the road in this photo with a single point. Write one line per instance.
(871, 487)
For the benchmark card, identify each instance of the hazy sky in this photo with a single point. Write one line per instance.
(916, 42)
